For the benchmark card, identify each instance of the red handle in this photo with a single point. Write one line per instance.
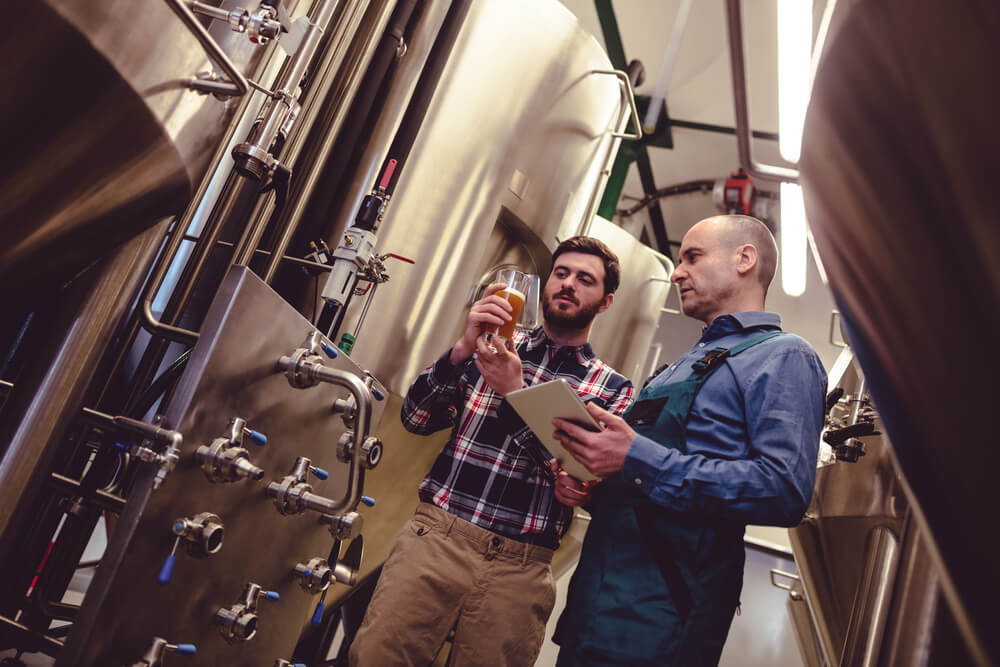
(387, 174)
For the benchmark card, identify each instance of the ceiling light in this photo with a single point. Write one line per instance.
(794, 58)
(793, 240)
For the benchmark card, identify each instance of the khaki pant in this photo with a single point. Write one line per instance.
(442, 569)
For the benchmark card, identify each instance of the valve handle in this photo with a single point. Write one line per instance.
(377, 393)
(330, 350)
(368, 501)
(317, 616)
(167, 570)
(272, 596)
(124, 446)
(319, 472)
(187, 649)
(257, 438)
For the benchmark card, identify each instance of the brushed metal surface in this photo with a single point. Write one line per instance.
(899, 151)
(107, 138)
(516, 96)
(623, 334)
(232, 372)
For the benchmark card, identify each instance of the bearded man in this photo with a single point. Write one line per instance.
(476, 554)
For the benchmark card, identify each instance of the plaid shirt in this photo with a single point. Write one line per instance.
(492, 472)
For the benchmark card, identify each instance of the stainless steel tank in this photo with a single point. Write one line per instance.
(101, 134)
(899, 155)
(511, 156)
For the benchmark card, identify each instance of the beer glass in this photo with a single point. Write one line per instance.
(518, 285)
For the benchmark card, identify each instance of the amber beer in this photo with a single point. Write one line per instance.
(516, 300)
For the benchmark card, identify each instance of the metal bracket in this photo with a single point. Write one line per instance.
(792, 592)
(237, 84)
(630, 98)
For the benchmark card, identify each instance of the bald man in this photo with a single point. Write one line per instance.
(724, 437)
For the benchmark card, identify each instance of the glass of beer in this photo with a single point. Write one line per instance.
(517, 287)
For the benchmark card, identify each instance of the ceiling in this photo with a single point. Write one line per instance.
(700, 91)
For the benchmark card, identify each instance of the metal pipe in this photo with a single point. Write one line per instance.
(340, 81)
(736, 61)
(362, 423)
(629, 96)
(237, 85)
(47, 400)
(871, 603)
(280, 110)
(416, 111)
(407, 73)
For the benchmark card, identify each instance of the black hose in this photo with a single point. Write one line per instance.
(402, 144)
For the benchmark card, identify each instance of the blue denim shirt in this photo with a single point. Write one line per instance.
(753, 432)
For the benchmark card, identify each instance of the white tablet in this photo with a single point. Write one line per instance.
(539, 404)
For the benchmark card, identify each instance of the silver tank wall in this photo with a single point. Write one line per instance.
(898, 156)
(123, 141)
(508, 160)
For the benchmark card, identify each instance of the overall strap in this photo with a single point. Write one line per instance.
(714, 357)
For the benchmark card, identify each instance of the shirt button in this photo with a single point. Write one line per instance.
(638, 482)
(673, 367)
(701, 345)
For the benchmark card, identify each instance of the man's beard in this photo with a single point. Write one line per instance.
(580, 320)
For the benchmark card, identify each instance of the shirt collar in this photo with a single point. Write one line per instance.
(538, 337)
(723, 325)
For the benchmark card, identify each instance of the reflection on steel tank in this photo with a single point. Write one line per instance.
(899, 163)
(103, 134)
(509, 158)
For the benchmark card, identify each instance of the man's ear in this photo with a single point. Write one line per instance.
(606, 302)
(746, 259)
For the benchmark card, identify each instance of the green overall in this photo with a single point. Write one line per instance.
(655, 586)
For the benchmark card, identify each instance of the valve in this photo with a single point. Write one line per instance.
(300, 366)
(371, 450)
(154, 656)
(314, 576)
(284, 663)
(202, 535)
(226, 459)
(346, 408)
(344, 526)
(239, 621)
(293, 494)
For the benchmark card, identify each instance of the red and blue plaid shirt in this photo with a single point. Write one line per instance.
(492, 471)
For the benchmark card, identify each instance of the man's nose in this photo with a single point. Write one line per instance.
(678, 275)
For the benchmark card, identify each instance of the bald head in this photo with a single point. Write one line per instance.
(738, 230)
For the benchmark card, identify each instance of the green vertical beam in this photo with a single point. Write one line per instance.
(629, 152)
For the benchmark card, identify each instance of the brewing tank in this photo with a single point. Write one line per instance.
(510, 158)
(103, 136)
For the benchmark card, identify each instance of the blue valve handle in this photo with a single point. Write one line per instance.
(258, 438)
(124, 446)
(368, 500)
(272, 596)
(377, 393)
(330, 350)
(317, 617)
(187, 649)
(167, 570)
(319, 472)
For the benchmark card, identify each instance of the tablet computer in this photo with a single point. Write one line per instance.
(538, 404)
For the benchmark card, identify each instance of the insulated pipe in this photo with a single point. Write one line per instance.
(754, 169)
(323, 205)
(422, 37)
(340, 82)
(402, 144)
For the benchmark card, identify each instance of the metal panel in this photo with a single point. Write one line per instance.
(232, 373)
